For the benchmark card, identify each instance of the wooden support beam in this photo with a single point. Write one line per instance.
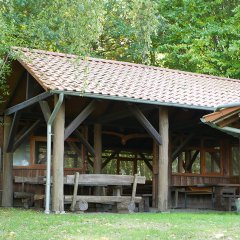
(13, 131)
(111, 117)
(7, 177)
(97, 164)
(79, 119)
(58, 159)
(180, 163)
(192, 160)
(74, 146)
(155, 174)
(29, 87)
(45, 110)
(109, 158)
(163, 181)
(148, 164)
(23, 137)
(89, 148)
(145, 123)
(28, 103)
(181, 146)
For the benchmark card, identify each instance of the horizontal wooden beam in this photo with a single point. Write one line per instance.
(145, 123)
(13, 131)
(102, 199)
(181, 146)
(28, 103)
(104, 180)
(79, 119)
(26, 134)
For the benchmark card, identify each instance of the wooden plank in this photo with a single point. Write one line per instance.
(101, 199)
(7, 172)
(28, 132)
(23, 195)
(58, 159)
(13, 131)
(181, 146)
(163, 184)
(75, 190)
(28, 103)
(79, 119)
(145, 123)
(134, 189)
(89, 148)
(45, 110)
(104, 179)
(30, 180)
(155, 174)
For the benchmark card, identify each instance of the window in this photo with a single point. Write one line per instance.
(205, 158)
(21, 157)
(71, 158)
(235, 160)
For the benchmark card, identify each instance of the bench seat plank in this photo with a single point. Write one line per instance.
(104, 180)
(102, 199)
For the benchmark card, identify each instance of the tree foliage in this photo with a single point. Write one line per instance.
(192, 35)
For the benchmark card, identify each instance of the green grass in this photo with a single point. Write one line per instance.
(27, 224)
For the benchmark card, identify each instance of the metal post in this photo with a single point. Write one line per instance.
(49, 150)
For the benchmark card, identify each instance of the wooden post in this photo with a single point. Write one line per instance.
(58, 160)
(7, 194)
(180, 163)
(163, 184)
(97, 165)
(155, 174)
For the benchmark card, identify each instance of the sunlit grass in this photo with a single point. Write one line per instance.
(27, 224)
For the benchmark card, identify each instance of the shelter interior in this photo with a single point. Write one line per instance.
(198, 154)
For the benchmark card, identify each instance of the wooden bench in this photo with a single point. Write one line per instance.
(27, 198)
(199, 190)
(103, 180)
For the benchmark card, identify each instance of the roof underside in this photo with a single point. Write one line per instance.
(127, 82)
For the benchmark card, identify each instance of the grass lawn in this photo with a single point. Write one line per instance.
(28, 224)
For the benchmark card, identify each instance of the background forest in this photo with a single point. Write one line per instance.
(192, 35)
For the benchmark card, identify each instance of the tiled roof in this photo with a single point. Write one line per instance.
(125, 81)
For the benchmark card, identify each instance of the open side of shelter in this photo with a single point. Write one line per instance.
(105, 117)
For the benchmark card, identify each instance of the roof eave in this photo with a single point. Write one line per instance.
(135, 100)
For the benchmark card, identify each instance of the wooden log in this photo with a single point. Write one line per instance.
(163, 161)
(101, 199)
(104, 180)
(75, 190)
(58, 160)
(7, 194)
(97, 165)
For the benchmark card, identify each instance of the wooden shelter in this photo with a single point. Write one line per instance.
(65, 114)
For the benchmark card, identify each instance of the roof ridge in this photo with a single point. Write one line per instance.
(127, 63)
